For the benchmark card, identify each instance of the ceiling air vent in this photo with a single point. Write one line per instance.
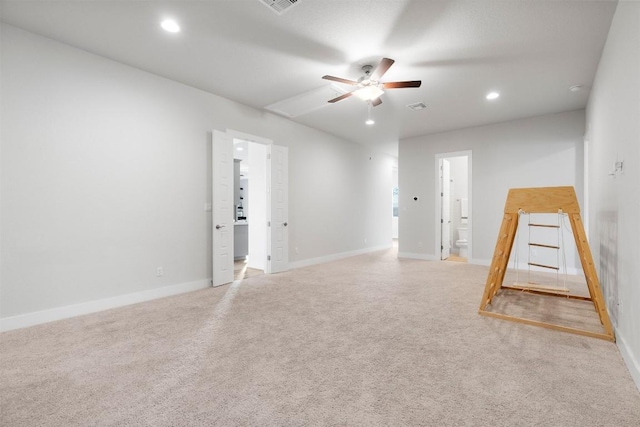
(279, 6)
(417, 106)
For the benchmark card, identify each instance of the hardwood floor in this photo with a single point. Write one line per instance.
(456, 258)
(242, 271)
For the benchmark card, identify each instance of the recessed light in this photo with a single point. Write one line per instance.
(170, 25)
(493, 95)
(239, 148)
(370, 122)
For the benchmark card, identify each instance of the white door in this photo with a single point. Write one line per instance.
(445, 203)
(222, 209)
(278, 209)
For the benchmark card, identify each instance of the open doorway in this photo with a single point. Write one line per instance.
(394, 206)
(241, 209)
(453, 206)
(250, 208)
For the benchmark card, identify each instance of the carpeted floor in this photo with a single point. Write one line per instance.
(368, 341)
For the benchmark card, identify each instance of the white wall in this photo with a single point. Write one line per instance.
(613, 124)
(535, 152)
(106, 171)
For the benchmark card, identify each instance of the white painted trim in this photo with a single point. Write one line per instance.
(59, 313)
(335, 257)
(585, 193)
(425, 257)
(632, 362)
(248, 137)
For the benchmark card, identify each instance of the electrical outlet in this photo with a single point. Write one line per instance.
(365, 240)
(297, 251)
(534, 253)
(159, 272)
(207, 207)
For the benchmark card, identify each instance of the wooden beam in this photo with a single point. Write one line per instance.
(577, 331)
(542, 200)
(590, 272)
(550, 292)
(500, 258)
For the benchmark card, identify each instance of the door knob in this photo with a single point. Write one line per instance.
(285, 224)
(218, 227)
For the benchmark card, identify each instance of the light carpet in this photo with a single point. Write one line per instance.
(369, 341)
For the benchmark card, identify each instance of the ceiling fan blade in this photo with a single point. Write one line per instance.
(340, 98)
(399, 85)
(340, 80)
(383, 67)
(376, 102)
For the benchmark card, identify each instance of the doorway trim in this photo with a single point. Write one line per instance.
(234, 134)
(248, 137)
(438, 201)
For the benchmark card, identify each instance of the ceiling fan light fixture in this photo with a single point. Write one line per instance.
(368, 93)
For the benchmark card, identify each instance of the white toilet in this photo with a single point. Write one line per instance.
(462, 241)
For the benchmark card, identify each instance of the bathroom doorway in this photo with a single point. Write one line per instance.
(453, 206)
(394, 205)
(250, 208)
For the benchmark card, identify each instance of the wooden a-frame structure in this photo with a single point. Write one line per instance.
(544, 200)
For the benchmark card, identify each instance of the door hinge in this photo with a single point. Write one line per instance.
(268, 156)
(442, 248)
(268, 257)
(441, 194)
(441, 221)
(268, 223)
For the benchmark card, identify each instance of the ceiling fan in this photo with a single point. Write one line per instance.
(369, 87)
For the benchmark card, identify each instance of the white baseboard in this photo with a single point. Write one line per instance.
(59, 313)
(425, 257)
(524, 266)
(335, 257)
(632, 362)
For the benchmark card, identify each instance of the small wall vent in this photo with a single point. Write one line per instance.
(417, 106)
(279, 6)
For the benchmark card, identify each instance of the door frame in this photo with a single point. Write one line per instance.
(445, 223)
(234, 134)
(438, 201)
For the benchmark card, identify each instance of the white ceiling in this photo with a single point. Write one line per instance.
(530, 51)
